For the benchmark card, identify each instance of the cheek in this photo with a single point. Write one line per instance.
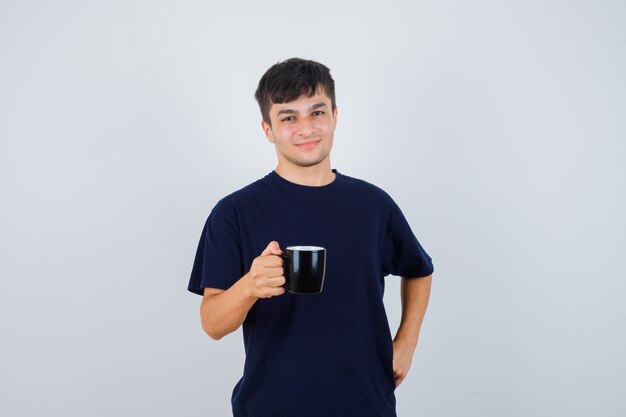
(284, 133)
(325, 125)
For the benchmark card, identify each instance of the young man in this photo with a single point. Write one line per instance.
(329, 354)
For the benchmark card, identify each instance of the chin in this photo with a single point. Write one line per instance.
(308, 162)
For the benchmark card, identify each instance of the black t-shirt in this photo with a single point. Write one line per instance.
(327, 354)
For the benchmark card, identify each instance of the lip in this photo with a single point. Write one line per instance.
(308, 145)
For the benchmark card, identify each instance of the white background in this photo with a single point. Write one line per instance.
(497, 126)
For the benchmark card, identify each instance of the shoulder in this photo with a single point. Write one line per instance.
(228, 206)
(375, 198)
(368, 190)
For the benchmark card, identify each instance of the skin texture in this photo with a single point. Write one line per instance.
(223, 311)
(304, 120)
(414, 293)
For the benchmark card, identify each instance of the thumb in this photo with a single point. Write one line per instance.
(272, 249)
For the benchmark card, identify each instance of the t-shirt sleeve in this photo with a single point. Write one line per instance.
(402, 254)
(218, 262)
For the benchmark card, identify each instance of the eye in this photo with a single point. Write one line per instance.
(286, 119)
(318, 111)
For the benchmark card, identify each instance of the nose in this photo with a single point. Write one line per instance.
(305, 128)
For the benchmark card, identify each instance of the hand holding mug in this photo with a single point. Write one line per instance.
(266, 273)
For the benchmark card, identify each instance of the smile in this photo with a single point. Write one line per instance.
(309, 144)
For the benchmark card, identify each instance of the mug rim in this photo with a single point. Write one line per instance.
(306, 248)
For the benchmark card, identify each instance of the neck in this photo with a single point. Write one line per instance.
(314, 176)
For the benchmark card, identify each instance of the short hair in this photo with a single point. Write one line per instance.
(287, 80)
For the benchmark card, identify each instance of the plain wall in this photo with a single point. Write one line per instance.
(497, 126)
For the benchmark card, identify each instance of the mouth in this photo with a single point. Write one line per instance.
(309, 144)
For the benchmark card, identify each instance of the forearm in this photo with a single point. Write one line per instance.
(415, 293)
(224, 312)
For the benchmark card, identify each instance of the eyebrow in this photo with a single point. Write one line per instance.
(290, 111)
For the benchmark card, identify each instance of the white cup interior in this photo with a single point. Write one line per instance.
(308, 248)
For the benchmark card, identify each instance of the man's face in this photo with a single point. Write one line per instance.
(302, 130)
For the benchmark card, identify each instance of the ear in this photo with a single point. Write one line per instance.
(267, 129)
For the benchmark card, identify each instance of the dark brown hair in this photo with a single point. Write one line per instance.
(287, 80)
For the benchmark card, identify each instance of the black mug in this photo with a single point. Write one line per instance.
(304, 268)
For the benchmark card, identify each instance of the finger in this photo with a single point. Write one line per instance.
(275, 248)
(272, 249)
(273, 292)
(265, 273)
(276, 281)
(267, 250)
(271, 261)
(276, 272)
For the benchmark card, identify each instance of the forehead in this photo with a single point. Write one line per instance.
(302, 103)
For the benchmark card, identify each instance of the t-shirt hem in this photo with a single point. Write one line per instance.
(200, 291)
(418, 274)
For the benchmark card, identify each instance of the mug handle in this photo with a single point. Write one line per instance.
(285, 269)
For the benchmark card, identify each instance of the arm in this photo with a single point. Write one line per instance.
(414, 293)
(223, 311)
